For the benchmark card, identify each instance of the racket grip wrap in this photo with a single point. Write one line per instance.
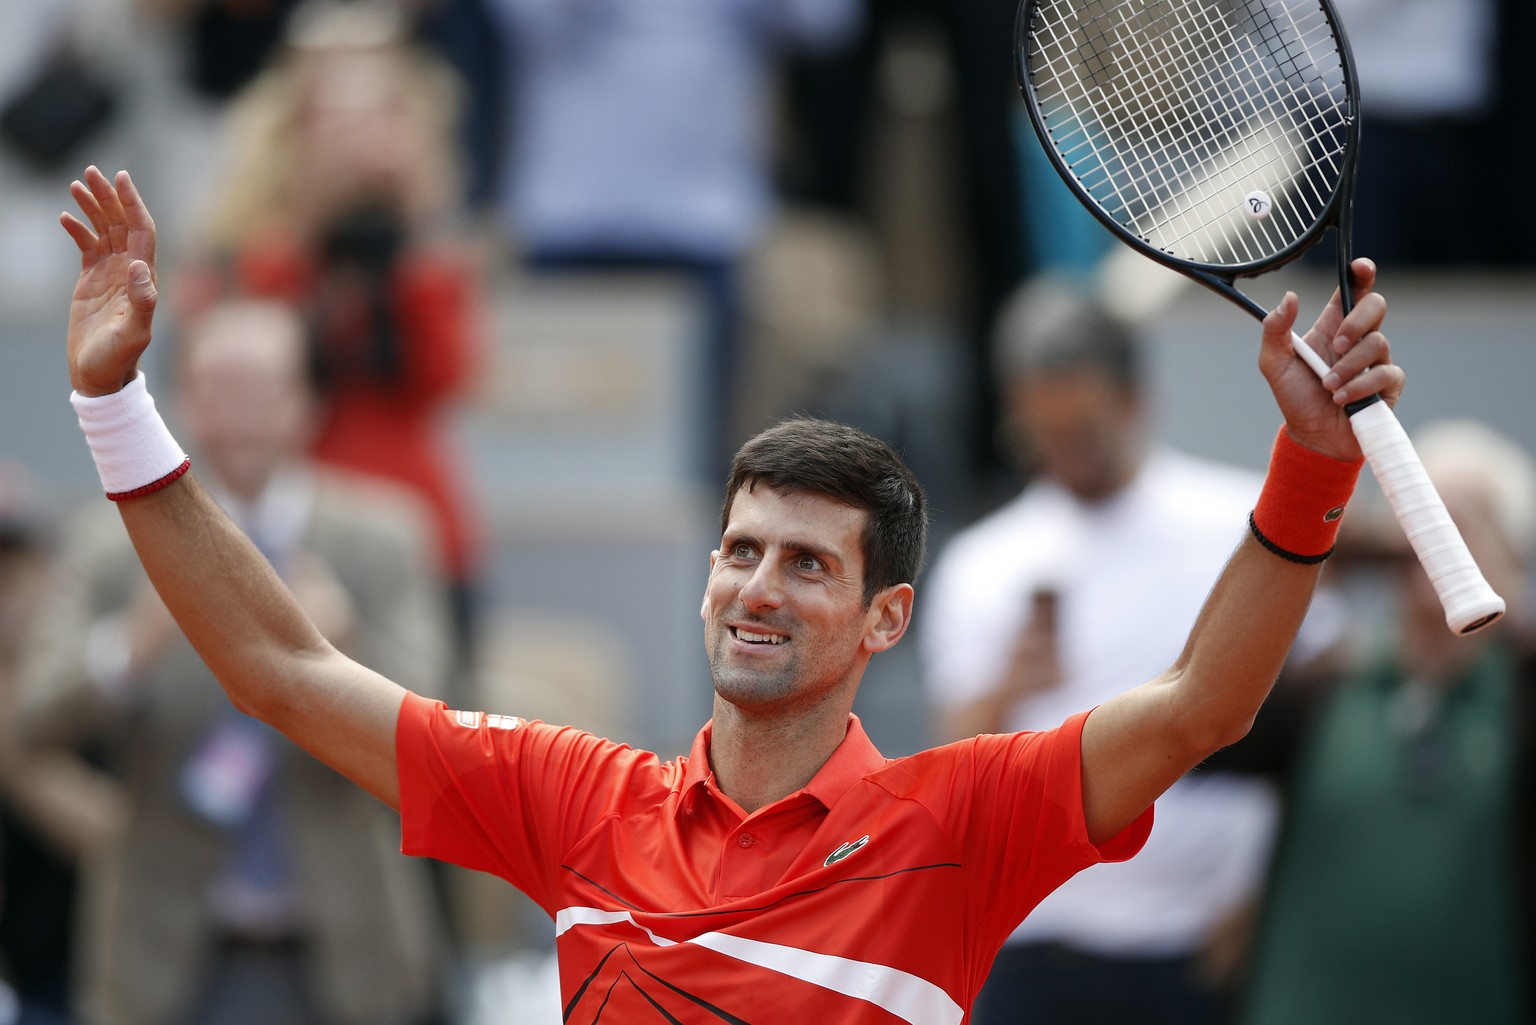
(134, 451)
(1470, 603)
(1302, 502)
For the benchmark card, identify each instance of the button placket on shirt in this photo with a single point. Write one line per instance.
(742, 863)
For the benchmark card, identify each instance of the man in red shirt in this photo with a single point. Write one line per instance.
(784, 870)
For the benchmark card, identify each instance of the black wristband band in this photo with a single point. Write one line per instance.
(1289, 556)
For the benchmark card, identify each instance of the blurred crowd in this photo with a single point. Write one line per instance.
(847, 196)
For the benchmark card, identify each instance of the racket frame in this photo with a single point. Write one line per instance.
(1337, 213)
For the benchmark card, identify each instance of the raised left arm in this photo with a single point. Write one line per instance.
(1141, 742)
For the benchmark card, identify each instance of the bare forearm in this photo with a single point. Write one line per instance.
(225, 597)
(257, 640)
(1141, 742)
(1239, 644)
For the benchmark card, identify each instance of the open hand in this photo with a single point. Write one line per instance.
(1357, 352)
(114, 300)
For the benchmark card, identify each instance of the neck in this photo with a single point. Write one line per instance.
(759, 759)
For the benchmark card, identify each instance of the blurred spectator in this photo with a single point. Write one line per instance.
(37, 882)
(1087, 579)
(342, 193)
(638, 140)
(946, 62)
(1402, 888)
(231, 877)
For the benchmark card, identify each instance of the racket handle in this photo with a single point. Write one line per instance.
(1470, 603)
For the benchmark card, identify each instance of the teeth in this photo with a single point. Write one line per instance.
(753, 638)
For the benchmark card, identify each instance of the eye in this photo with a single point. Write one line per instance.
(808, 564)
(743, 550)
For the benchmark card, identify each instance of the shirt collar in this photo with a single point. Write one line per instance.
(855, 758)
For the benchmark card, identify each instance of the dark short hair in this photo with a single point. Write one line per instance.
(841, 462)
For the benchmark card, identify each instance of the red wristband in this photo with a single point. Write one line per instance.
(1302, 502)
(153, 486)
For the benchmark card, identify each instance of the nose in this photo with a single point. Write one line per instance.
(763, 588)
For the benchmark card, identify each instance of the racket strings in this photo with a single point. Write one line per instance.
(1192, 40)
(1195, 133)
(1168, 114)
(1140, 96)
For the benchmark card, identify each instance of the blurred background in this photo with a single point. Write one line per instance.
(571, 252)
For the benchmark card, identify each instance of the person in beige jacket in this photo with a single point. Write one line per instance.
(228, 876)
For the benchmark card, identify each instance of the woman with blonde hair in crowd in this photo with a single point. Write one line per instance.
(343, 191)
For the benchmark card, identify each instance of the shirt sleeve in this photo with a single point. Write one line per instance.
(501, 794)
(1027, 827)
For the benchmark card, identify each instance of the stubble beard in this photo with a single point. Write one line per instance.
(746, 685)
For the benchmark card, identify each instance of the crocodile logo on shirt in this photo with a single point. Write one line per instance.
(846, 849)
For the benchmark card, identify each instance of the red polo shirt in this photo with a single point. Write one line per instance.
(879, 893)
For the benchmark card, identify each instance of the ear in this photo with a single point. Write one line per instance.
(890, 613)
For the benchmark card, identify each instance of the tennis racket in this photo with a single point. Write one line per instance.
(1219, 138)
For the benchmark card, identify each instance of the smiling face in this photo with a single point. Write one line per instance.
(785, 621)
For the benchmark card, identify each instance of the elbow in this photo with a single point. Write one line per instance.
(266, 685)
(244, 702)
(1201, 739)
(1229, 732)
(1206, 726)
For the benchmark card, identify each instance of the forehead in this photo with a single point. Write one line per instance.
(797, 518)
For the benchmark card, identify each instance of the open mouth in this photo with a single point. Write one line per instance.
(753, 637)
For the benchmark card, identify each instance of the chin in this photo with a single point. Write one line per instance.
(747, 689)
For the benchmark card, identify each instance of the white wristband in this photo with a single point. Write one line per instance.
(134, 451)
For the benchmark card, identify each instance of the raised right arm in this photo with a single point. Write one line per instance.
(237, 613)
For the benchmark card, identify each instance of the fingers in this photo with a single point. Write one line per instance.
(1366, 370)
(106, 196)
(141, 290)
(135, 212)
(1362, 281)
(1278, 326)
(1354, 357)
(84, 237)
(1362, 274)
(141, 225)
(85, 192)
(116, 212)
(1358, 343)
(1362, 364)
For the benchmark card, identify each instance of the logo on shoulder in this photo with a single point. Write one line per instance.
(846, 849)
(469, 720)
